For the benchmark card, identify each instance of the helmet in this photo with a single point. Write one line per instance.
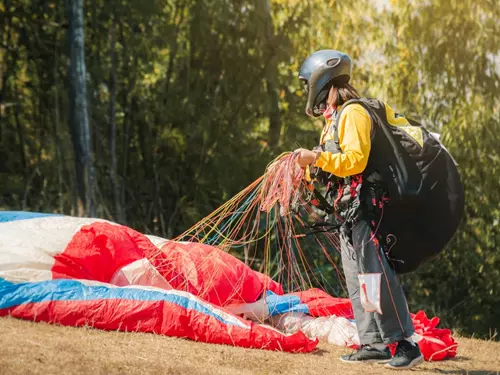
(319, 72)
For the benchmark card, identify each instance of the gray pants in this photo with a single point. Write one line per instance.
(378, 300)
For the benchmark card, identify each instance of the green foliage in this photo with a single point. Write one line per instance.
(196, 111)
(447, 73)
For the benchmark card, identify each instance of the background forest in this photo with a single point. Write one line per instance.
(186, 102)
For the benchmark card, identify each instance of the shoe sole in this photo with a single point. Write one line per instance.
(383, 361)
(417, 361)
(367, 361)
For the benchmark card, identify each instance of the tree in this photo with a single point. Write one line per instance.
(79, 122)
(189, 100)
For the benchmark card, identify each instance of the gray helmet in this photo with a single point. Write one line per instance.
(319, 72)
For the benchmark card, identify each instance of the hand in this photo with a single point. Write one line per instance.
(306, 157)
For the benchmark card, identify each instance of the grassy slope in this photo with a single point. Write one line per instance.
(38, 348)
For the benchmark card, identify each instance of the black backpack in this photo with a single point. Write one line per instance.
(426, 197)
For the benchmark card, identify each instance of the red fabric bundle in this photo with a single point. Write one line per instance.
(321, 303)
(436, 344)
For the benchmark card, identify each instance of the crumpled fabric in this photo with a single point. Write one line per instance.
(435, 343)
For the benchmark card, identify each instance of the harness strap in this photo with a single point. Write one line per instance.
(323, 203)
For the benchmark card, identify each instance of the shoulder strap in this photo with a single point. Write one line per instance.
(367, 104)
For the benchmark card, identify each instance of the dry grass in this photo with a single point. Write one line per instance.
(37, 348)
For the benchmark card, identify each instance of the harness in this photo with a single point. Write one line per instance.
(344, 196)
(412, 168)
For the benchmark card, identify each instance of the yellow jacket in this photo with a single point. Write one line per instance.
(354, 139)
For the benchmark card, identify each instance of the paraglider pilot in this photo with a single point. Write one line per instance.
(347, 159)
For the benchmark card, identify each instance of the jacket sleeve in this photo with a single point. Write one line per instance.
(354, 140)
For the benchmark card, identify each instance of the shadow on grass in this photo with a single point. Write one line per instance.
(319, 352)
(459, 358)
(463, 372)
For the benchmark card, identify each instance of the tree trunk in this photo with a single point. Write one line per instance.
(21, 138)
(129, 106)
(112, 123)
(127, 123)
(274, 111)
(79, 121)
(57, 126)
(271, 80)
(59, 153)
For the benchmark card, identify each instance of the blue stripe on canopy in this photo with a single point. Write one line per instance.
(6, 216)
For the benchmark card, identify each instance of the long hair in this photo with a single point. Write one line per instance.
(339, 94)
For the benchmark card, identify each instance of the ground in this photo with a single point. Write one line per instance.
(38, 348)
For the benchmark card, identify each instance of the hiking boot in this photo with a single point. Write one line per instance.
(407, 356)
(367, 354)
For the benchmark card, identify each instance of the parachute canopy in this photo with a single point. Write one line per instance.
(84, 271)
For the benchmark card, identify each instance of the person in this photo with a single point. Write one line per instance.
(348, 156)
